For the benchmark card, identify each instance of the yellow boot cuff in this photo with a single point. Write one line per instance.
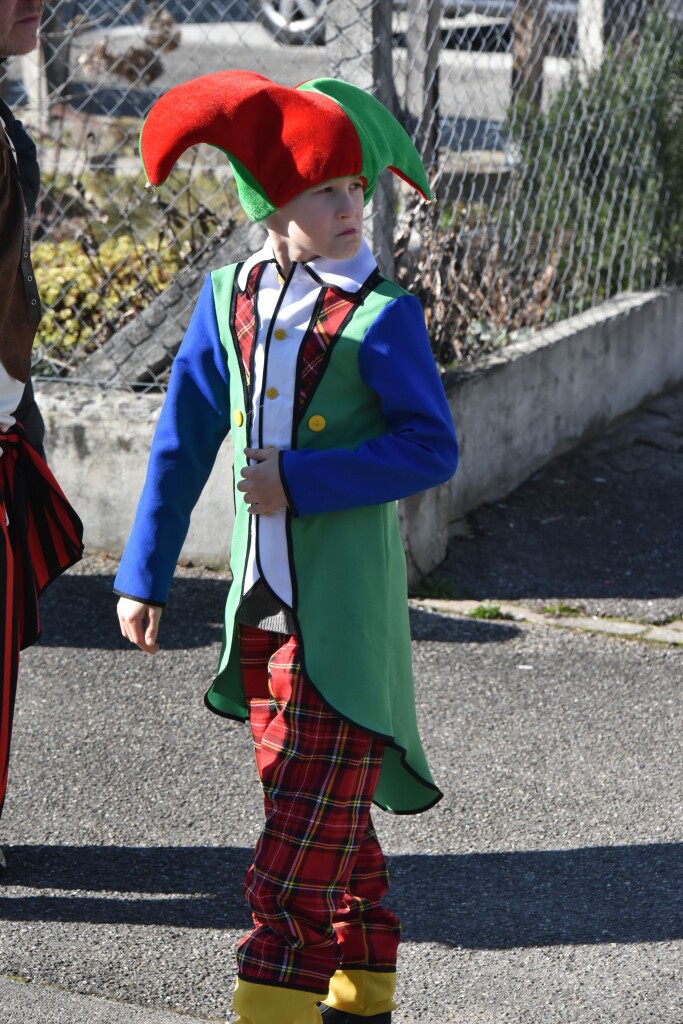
(269, 1004)
(362, 992)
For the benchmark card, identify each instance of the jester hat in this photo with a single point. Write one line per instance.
(280, 141)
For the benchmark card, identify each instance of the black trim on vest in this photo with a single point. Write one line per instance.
(247, 406)
(262, 401)
(246, 384)
(357, 298)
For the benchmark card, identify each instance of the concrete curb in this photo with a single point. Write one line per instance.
(671, 633)
(514, 412)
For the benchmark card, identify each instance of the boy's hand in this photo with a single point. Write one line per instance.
(261, 484)
(139, 623)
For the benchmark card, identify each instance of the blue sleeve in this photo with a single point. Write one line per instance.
(419, 449)
(194, 421)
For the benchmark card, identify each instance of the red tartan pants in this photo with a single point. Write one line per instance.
(319, 875)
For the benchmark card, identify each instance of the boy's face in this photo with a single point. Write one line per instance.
(326, 221)
(19, 24)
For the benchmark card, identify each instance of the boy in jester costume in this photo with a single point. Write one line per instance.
(323, 371)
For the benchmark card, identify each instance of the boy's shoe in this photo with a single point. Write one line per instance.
(332, 1016)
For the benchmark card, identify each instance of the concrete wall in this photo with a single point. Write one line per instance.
(97, 446)
(513, 413)
(542, 396)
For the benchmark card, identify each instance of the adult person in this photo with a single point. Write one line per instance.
(40, 534)
(19, 23)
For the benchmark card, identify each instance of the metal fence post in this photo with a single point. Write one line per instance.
(422, 81)
(360, 50)
(529, 28)
(590, 35)
(506, 257)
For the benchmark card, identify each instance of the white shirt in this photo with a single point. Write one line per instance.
(11, 392)
(284, 316)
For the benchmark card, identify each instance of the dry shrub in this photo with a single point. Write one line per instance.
(474, 299)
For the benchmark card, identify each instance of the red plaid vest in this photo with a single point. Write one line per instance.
(329, 316)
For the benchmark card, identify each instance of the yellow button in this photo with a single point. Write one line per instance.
(317, 423)
(238, 418)
(272, 393)
(280, 334)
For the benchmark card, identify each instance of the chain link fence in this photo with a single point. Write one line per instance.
(553, 132)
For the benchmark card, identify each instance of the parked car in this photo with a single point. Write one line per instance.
(292, 21)
(303, 21)
(484, 21)
(186, 12)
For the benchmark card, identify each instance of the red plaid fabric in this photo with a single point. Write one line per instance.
(330, 319)
(318, 875)
(40, 537)
(10, 653)
(244, 324)
(333, 312)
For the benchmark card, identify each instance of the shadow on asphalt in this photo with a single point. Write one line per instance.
(446, 629)
(595, 523)
(80, 611)
(493, 900)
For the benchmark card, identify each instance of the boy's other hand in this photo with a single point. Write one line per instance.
(139, 623)
(261, 484)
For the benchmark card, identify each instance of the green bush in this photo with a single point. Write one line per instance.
(600, 173)
(105, 250)
(594, 206)
(668, 119)
(88, 291)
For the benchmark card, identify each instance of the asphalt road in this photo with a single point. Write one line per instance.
(546, 887)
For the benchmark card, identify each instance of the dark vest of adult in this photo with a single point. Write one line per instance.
(19, 301)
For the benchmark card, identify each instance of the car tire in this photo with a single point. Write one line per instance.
(298, 22)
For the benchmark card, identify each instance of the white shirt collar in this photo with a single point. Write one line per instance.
(349, 275)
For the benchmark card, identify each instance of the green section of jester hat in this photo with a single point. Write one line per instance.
(280, 141)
